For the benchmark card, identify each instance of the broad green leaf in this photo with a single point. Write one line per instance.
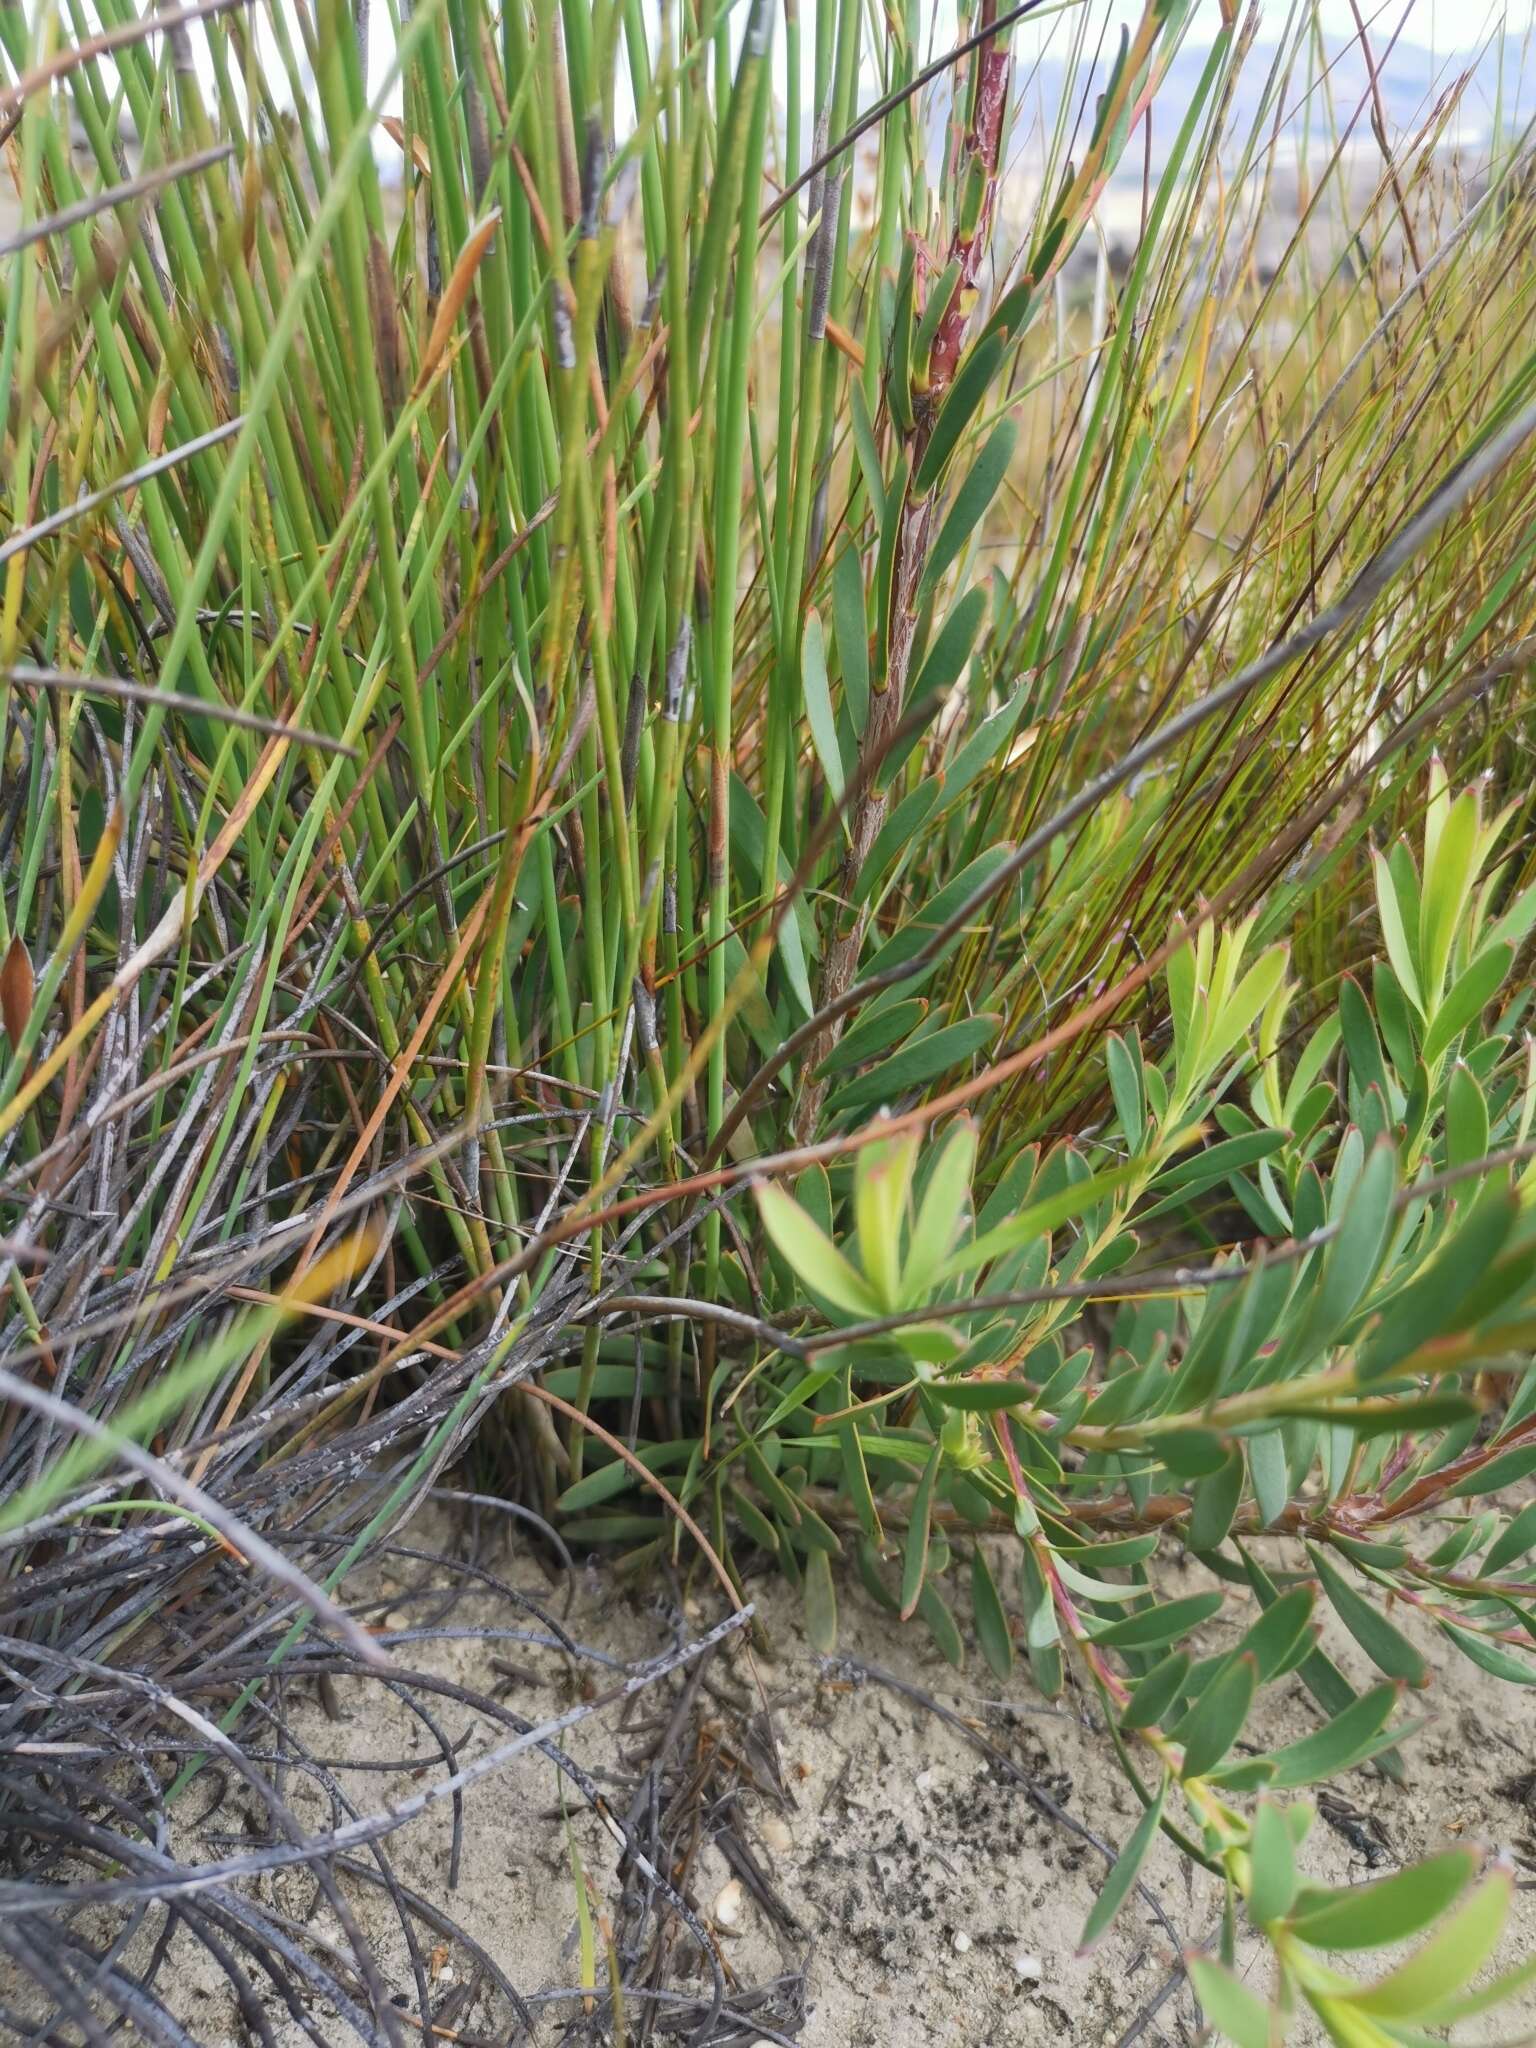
(820, 1597)
(922, 1059)
(1450, 1959)
(982, 1397)
(1311, 1110)
(818, 703)
(1468, 997)
(754, 1521)
(1215, 1162)
(1471, 1535)
(897, 837)
(971, 500)
(1515, 922)
(991, 1621)
(813, 1191)
(1242, 1007)
(1437, 807)
(868, 452)
(1230, 2006)
(952, 646)
(1518, 1538)
(1183, 995)
(1215, 1505)
(1041, 1628)
(1350, 1738)
(1035, 1221)
(1362, 1046)
(1321, 1676)
(798, 1396)
(914, 1562)
(1395, 931)
(1189, 1453)
(1309, 1065)
(971, 383)
(1394, 1018)
(1244, 1774)
(761, 1460)
(1491, 1657)
(941, 290)
(1468, 2007)
(898, 382)
(811, 1254)
(1275, 1636)
(1112, 1551)
(1155, 1626)
(1389, 1909)
(797, 933)
(1448, 877)
(1499, 1472)
(852, 631)
(856, 1479)
(1351, 1261)
(931, 1605)
(1299, 1816)
(1236, 1322)
(1311, 1203)
(882, 1182)
(1391, 1556)
(1122, 1058)
(1124, 1871)
(986, 749)
(1386, 1415)
(941, 1214)
(1078, 1581)
(867, 1557)
(1216, 1719)
(1386, 1646)
(1272, 1855)
(1271, 1479)
(1466, 1118)
(1431, 1301)
(805, 1529)
(920, 928)
(932, 1343)
(616, 1477)
(873, 1034)
(891, 518)
(1157, 1692)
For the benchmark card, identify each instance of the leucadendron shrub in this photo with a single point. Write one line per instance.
(1339, 1414)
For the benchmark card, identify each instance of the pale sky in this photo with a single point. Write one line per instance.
(1442, 26)
(1436, 24)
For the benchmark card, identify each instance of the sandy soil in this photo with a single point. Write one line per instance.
(913, 1891)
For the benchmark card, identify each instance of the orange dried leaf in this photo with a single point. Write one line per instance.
(16, 991)
(456, 292)
(421, 156)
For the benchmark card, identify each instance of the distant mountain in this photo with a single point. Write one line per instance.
(1495, 85)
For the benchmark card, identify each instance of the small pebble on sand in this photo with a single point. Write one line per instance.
(962, 1944)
